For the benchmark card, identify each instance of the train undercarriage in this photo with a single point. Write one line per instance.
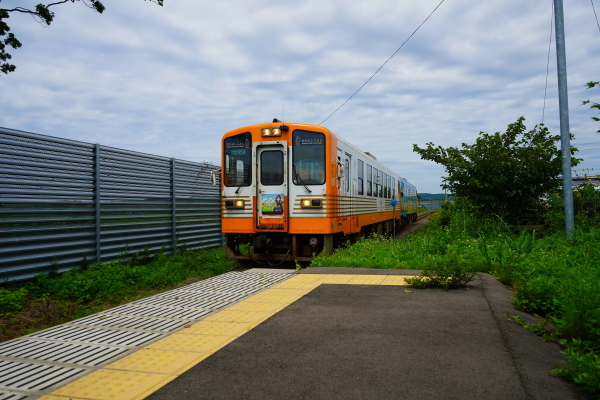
(275, 248)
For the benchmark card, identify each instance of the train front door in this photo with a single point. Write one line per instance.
(272, 190)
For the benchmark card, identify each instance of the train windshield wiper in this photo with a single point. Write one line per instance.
(300, 179)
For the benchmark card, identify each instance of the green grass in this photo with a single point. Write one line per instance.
(555, 277)
(53, 299)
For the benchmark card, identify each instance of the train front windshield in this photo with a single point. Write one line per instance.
(308, 158)
(238, 160)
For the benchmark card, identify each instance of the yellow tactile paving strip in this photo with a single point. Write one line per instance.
(145, 371)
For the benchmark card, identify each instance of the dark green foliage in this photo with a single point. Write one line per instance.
(100, 283)
(582, 365)
(12, 300)
(10, 40)
(503, 174)
(586, 206)
(43, 15)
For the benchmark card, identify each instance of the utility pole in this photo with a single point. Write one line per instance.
(563, 102)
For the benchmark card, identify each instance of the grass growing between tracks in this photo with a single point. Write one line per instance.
(53, 299)
(554, 277)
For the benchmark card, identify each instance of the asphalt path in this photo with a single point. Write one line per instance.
(382, 342)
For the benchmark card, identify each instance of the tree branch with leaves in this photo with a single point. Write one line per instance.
(44, 16)
(594, 105)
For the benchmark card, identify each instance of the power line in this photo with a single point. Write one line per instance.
(591, 1)
(378, 69)
(590, 143)
(548, 62)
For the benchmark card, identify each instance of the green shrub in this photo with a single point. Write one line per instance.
(582, 365)
(100, 283)
(451, 272)
(12, 300)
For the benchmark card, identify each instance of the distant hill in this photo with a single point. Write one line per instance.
(435, 196)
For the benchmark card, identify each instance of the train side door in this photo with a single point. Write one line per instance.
(272, 191)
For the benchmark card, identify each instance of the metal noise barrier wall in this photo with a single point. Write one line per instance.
(62, 201)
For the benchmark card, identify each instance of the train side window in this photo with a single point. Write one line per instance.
(377, 179)
(369, 189)
(389, 187)
(360, 176)
(393, 188)
(347, 172)
(385, 183)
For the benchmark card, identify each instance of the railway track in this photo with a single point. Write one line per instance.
(424, 215)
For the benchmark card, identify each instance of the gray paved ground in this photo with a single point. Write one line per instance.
(379, 342)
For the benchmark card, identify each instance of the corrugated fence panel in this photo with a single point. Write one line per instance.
(198, 206)
(62, 201)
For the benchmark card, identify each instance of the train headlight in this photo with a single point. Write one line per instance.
(311, 203)
(234, 203)
(271, 132)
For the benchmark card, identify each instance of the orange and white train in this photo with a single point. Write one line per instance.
(292, 191)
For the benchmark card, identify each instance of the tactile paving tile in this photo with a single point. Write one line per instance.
(97, 336)
(395, 280)
(60, 352)
(297, 284)
(224, 287)
(307, 277)
(337, 279)
(105, 337)
(267, 297)
(214, 297)
(108, 384)
(366, 280)
(244, 277)
(239, 316)
(10, 395)
(247, 305)
(25, 376)
(159, 361)
(218, 328)
(169, 312)
(196, 343)
(126, 321)
(192, 290)
(202, 300)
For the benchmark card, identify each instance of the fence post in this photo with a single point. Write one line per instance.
(173, 208)
(97, 199)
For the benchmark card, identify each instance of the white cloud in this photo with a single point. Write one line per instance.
(172, 80)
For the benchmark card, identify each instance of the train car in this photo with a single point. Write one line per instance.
(292, 191)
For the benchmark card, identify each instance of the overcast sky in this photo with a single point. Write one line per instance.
(172, 80)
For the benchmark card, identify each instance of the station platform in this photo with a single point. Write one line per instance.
(322, 333)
